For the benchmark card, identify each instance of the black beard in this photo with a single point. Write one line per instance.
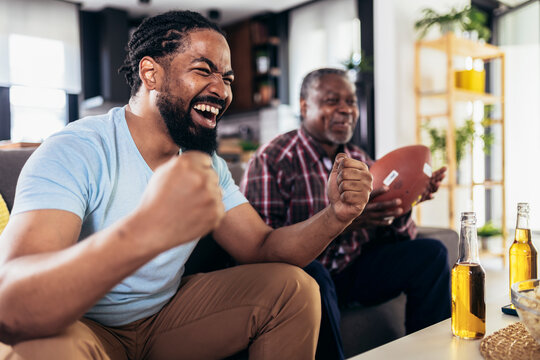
(183, 130)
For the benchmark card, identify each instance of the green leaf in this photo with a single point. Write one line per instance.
(489, 230)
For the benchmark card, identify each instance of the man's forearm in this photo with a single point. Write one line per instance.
(301, 243)
(41, 294)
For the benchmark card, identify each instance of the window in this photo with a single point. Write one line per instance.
(39, 65)
(322, 34)
(36, 113)
(37, 110)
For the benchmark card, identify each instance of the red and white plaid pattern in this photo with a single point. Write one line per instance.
(286, 183)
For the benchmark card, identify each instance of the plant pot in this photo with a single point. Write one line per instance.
(265, 94)
(471, 80)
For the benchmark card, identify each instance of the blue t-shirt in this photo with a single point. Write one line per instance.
(93, 169)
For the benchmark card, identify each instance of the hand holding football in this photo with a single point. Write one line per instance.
(406, 171)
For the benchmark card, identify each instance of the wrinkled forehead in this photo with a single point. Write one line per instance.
(207, 43)
(332, 83)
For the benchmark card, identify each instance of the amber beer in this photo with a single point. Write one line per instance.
(523, 256)
(468, 283)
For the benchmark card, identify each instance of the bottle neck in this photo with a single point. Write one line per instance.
(468, 244)
(522, 221)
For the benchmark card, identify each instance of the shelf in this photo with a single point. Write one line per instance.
(463, 95)
(486, 184)
(271, 41)
(464, 47)
(433, 116)
(273, 72)
(453, 47)
(255, 52)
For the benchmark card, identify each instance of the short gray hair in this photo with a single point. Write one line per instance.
(316, 75)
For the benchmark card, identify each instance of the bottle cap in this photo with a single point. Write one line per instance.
(523, 208)
(468, 216)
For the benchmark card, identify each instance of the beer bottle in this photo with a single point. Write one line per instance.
(522, 252)
(468, 283)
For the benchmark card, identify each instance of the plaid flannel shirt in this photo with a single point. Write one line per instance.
(286, 183)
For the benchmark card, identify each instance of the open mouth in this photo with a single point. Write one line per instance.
(206, 115)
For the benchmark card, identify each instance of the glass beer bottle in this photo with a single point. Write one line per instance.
(522, 252)
(468, 283)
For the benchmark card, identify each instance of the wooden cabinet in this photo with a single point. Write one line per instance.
(449, 98)
(255, 50)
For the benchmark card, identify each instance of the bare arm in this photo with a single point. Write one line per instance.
(48, 281)
(246, 237)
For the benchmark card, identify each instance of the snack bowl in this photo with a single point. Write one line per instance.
(526, 299)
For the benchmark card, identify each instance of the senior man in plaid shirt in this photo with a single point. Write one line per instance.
(370, 262)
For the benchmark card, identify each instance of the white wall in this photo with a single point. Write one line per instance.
(522, 131)
(519, 37)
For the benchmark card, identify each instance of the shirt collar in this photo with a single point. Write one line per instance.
(312, 147)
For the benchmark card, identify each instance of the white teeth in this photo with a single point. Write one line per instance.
(205, 107)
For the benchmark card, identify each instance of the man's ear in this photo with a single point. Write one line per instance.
(303, 108)
(148, 69)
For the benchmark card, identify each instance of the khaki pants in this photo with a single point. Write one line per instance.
(272, 308)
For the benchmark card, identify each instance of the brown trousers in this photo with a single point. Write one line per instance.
(274, 309)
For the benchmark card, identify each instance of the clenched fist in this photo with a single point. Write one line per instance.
(349, 186)
(183, 200)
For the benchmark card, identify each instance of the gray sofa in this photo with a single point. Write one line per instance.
(363, 328)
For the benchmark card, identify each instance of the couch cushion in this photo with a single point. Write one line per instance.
(11, 163)
(448, 237)
(208, 256)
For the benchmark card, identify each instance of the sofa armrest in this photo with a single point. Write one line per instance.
(11, 163)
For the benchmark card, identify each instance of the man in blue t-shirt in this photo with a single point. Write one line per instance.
(108, 210)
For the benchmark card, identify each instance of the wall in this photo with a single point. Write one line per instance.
(519, 37)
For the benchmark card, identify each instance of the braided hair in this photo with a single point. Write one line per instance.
(159, 37)
(316, 75)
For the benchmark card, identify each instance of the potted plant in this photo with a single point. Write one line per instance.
(464, 137)
(446, 22)
(487, 231)
(248, 149)
(469, 19)
(357, 64)
(475, 23)
(265, 92)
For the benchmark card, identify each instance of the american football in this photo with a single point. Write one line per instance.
(406, 171)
